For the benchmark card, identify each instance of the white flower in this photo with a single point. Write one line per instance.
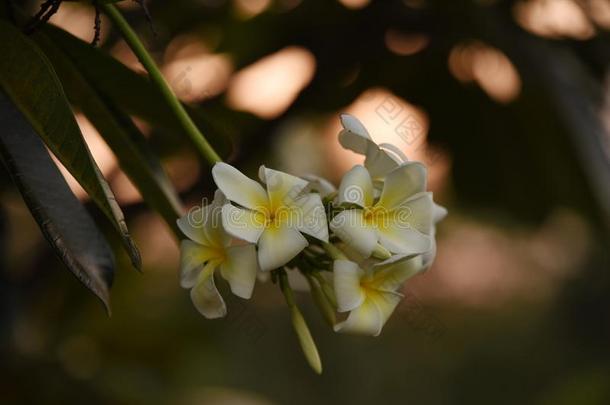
(371, 294)
(380, 159)
(400, 219)
(208, 249)
(273, 219)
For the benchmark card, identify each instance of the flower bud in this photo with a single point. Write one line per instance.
(300, 326)
(323, 304)
(307, 344)
(381, 253)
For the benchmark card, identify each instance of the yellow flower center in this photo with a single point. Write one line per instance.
(220, 253)
(373, 215)
(280, 215)
(367, 283)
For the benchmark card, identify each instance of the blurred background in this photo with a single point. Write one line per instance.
(507, 102)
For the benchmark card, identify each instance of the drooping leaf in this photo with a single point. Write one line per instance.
(132, 92)
(29, 80)
(119, 132)
(62, 219)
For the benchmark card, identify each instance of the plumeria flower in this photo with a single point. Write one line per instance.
(400, 220)
(276, 218)
(379, 159)
(210, 248)
(370, 293)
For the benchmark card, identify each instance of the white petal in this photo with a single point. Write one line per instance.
(206, 297)
(193, 225)
(354, 135)
(369, 318)
(219, 198)
(278, 245)
(312, 216)
(390, 276)
(355, 142)
(192, 258)
(438, 213)
(346, 281)
(204, 226)
(239, 188)
(392, 260)
(282, 188)
(356, 187)
(416, 213)
(403, 240)
(402, 183)
(352, 254)
(429, 256)
(319, 185)
(349, 226)
(213, 227)
(243, 223)
(395, 152)
(365, 320)
(239, 269)
(379, 162)
(386, 303)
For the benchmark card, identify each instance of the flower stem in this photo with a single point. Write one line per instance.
(334, 252)
(204, 148)
(300, 326)
(326, 288)
(321, 300)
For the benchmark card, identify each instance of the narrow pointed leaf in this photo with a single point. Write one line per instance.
(133, 92)
(119, 132)
(62, 219)
(29, 80)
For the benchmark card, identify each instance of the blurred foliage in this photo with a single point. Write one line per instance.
(512, 164)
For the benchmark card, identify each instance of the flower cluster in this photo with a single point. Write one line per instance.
(355, 245)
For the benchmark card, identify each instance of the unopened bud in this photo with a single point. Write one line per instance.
(306, 340)
(381, 253)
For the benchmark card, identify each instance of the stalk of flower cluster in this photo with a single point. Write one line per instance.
(300, 326)
(321, 300)
(334, 252)
(327, 289)
(203, 146)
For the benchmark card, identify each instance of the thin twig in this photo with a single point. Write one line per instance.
(200, 142)
(97, 24)
(47, 10)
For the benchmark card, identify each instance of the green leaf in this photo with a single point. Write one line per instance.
(30, 81)
(61, 217)
(133, 92)
(121, 135)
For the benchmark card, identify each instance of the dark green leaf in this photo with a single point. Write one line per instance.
(30, 81)
(125, 140)
(61, 217)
